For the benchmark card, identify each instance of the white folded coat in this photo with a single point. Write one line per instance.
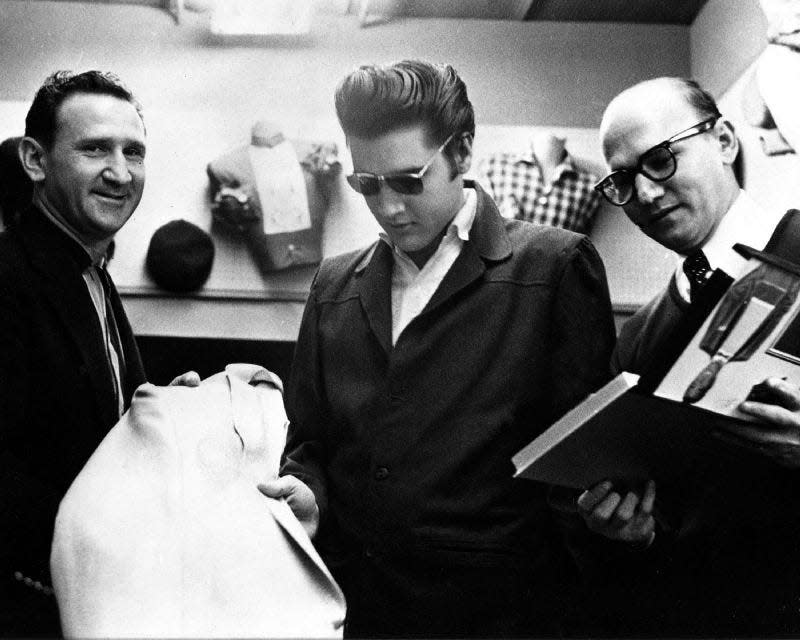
(164, 533)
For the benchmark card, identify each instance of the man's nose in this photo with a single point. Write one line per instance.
(117, 169)
(647, 190)
(389, 202)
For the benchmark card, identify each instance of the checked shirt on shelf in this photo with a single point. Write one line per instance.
(517, 185)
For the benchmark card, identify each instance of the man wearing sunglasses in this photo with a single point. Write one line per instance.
(727, 565)
(424, 362)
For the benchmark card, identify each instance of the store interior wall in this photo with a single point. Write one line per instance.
(542, 74)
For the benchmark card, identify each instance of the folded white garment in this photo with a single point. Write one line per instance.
(778, 77)
(164, 533)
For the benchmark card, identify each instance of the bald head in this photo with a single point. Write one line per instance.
(681, 211)
(652, 96)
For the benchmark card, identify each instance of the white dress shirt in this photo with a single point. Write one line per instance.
(412, 288)
(745, 222)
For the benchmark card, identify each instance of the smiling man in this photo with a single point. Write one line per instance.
(68, 360)
(424, 362)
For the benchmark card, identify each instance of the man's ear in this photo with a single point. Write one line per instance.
(32, 157)
(728, 140)
(462, 153)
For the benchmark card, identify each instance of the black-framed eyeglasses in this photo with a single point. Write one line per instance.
(369, 184)
(657, 163)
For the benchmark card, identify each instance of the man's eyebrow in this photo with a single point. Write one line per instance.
(415, 169)
(631, 167)
(99, 140)
(110, 141)
(134, 142)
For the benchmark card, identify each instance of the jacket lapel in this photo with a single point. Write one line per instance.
(375, 292)
(59, 265)
(467, 268)
(488, 241)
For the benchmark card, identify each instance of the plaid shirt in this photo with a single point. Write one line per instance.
(517, 185)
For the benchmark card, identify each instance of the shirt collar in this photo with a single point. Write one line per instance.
(97, 257)
(745, 221)
(528, 157)
(487, 234)
(460, 225)
(464, 219)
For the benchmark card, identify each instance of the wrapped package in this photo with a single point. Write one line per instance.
(274, 193)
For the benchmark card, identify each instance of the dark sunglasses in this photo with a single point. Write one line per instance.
(657, 163)
(369, 184)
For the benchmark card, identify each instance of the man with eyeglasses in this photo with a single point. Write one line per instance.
(725, 562)
(424, 362)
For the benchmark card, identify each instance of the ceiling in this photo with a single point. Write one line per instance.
(681, 12)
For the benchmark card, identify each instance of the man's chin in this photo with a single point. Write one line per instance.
(409, 247)
(668, 232)
(406, 242)
(680, 244)
(106, 224)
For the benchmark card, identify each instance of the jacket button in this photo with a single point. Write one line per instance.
(381, 473)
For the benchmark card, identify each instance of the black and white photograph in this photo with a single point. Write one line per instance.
(399, 319)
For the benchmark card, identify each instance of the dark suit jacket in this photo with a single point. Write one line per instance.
(727, 563)
(57, 400)
(408, 447)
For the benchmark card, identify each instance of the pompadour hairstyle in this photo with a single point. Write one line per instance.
(40, 123)
(377, 99)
